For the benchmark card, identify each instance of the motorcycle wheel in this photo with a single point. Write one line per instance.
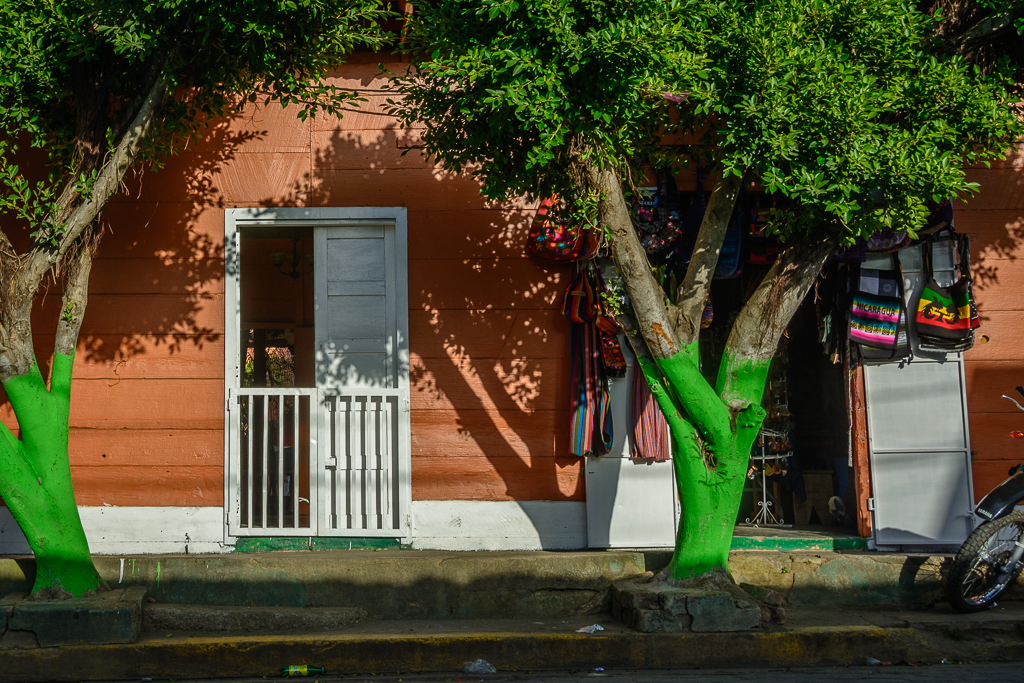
(974, 580)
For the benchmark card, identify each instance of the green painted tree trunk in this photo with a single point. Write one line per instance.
(710, 472)
(36, 481)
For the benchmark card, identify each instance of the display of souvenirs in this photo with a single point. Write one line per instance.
(656, 214)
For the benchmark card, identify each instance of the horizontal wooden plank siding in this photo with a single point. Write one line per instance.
(439, 478)
(489, 344)
(149, 486)
(994, 220)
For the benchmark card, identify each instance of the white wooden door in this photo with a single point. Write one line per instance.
(362, 374)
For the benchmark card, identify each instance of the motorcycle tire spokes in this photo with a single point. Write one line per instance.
(979, 573)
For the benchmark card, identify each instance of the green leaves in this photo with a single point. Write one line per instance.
(846, 107)
(514, 88)
(75, 71)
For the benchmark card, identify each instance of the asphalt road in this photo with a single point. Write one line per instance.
(938, 673)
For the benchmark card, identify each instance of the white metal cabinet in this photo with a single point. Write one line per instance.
(630, 503)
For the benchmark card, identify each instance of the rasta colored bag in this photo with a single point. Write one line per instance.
(946, 316)
(556, 241)
(878, 315)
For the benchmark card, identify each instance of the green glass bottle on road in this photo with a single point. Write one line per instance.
(296, 670)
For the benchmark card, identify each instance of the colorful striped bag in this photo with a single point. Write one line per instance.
(878, 314)
(651, 437)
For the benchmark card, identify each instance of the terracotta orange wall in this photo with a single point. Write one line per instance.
(489, 346)
(994, 220)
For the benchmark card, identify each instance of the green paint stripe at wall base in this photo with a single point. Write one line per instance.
(784, 544)
(282, 543)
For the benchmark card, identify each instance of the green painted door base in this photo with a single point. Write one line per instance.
(278, 543)
(784, 544)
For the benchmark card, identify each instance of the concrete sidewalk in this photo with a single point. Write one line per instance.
(414, 584)
(432, 611)
(809, 638)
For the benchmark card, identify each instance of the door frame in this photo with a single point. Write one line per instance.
(237, 218)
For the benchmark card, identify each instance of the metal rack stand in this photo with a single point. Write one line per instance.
(765, 515)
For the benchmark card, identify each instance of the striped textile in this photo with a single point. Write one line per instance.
(590, 431)
(651, 437)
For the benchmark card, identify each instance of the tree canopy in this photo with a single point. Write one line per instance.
(77, 72)
(849, 108)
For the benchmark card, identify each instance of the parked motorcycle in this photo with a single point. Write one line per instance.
(991, 558)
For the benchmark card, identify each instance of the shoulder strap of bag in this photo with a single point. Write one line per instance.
(964, 254)
(927, 256)
(899, 275)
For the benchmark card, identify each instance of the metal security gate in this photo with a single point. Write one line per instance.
(272, 478)
(331, 458)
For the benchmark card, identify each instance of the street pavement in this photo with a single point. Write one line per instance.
(938, 673)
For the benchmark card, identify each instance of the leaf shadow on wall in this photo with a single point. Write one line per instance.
(149, 358)
(488, 366)
(994, 221)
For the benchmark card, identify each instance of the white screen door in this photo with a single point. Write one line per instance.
(355, 420)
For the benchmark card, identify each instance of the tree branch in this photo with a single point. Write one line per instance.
(76, 298)
(41, 259)
(759, 326)
(693, 292)
(647, 297)
(72, 312)
(8, 438)
(690, 405)
(986, 30)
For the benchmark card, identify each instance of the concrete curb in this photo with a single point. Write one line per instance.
(233, 656)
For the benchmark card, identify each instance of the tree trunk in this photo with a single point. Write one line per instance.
(37, 482)
(709, 475)
(36, 485)
(35, 472)
(712, 428)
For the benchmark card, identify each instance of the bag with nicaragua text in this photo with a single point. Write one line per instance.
(878, 316)
(556, 241)
(947, 316)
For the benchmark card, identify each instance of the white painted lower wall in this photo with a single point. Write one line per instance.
(135, 530)
(499, 525)
(437, 525)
